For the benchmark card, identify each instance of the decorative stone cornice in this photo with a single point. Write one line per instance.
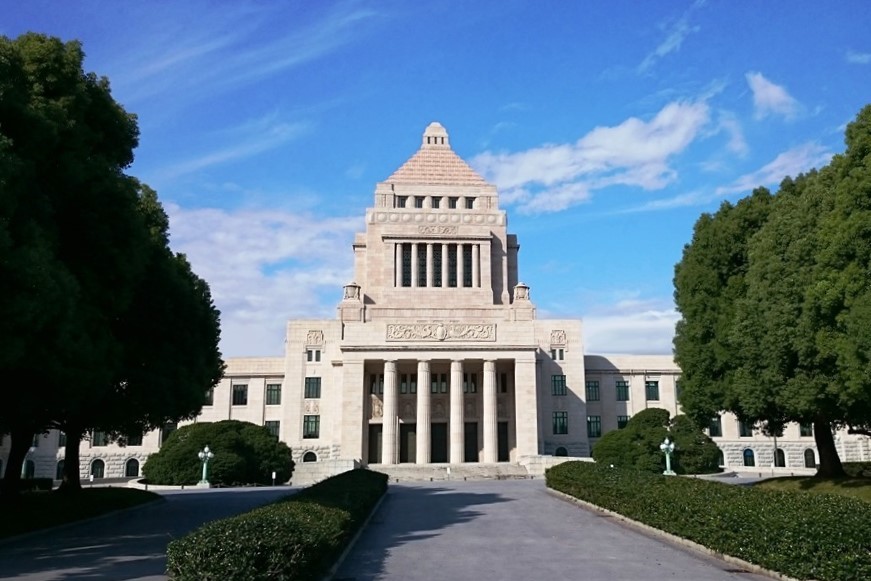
(442, 332)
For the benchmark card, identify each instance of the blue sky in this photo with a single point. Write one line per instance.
(609, 127)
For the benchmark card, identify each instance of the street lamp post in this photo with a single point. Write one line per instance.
(205, 455)
(667, 448)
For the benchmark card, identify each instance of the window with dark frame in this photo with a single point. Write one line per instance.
(594, 426)
(560, 423)
(622, 421)
(593, 390)
(452, 265)
(274, 426)
(470, 203)
(806, 429)
(651, 390)
(470, 383)
(311, 427)
(437, 265)
(401, 201)
(452, 202)
(240, 394)
(273, 394)
(436, 201)
(558, 385)
(406, 264)
(744, 430)
(467, 265)
(312, 387)
(418, 201)
(715, 429)
(622, 390)
(421, 265)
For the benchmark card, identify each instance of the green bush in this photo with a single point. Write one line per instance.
(637, 444)
(858, 469)
(245, 453)
(299, 537)
(803, 535)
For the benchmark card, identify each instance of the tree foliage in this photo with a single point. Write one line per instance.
(775, 303)
(245, 453)
(637, 444)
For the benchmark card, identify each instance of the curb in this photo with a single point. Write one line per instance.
(655, 532)
(335, 568)
(60, 527)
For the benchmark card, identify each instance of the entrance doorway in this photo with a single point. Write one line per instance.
(407, 443)
(375, 431)
(470, 440)
(502, 440)
(438, 451)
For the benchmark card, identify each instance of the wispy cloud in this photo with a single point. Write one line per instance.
(255, 139)
(770, 98)
(858, 58)
(554, 177)
(294, 267)
(789, 163)
(638, 326)
(676, 31)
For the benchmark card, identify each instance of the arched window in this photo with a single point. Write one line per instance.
(59, 471)
(810, 458)
(561, 452)
(779, 458)
(749, 458)
(721, 458)
(309, 457)
(131, 468)
(98, 468)
(29, 469)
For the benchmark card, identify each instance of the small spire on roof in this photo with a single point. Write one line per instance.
(435, 136)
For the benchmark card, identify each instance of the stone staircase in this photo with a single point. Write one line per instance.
(436, 472)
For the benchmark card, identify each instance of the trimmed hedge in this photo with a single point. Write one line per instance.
(803, 535)
(299, 537)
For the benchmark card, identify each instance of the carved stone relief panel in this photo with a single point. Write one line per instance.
(439, 230)
(407, 412)
(377, 407)
(438, 410)
(441, 332)
(312, 406)
(314, 338)
(557, 337)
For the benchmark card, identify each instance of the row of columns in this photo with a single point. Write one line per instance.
(390, 450)
(444, 274)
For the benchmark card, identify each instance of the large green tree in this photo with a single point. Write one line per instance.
(774, 323)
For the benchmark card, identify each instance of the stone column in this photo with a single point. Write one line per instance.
(414, 269)
(476, 263)
(458, 426)
(429, 274)
(444, 265)
(490, 432)
(397, 266)
(388, 435)
(423, 412)
(526, 405)
(460, 265)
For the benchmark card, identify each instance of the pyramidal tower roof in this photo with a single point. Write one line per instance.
(436, 163)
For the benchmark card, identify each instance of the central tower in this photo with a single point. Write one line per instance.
(436, 245)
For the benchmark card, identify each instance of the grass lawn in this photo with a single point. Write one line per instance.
(38, 510)
(855, 487)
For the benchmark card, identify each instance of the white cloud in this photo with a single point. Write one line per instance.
(553, 177)
(858, 58)
(770, 98)
(676, 32)
(789, 163)
(642, 327)
(265, 267)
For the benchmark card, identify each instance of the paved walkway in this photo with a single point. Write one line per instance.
(512, 530)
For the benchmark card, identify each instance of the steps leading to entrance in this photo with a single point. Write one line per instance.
(434, 472)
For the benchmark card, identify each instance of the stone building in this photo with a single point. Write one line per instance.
(436, 356)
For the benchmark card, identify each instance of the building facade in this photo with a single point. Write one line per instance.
(436, 355)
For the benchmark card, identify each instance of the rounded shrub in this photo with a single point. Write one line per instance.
(245, 453)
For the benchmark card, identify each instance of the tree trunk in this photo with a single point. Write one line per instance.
(72, 481)
(21, 439)
(830, 463)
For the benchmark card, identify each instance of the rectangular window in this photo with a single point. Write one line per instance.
(470, 383)
(418, 201)
(210, 397)
(557, 354)
(622, 390)
(313, 355)
(452, 202)
(99, 439)
(437, 265)
(744, 430)
(312, 387)
(470, 203)
(503, 387)
(134, 439)
(311, 427)
(406, 264)
(443, 388)
(412, 383)
(594, 426)
(677, 390)
(273, 426)
(167, 430)
(651, 390)
(560, 422)
(622, 421)
(403, 383)
(421, 265)
(240, 394)
(806, 429)
(401, 201)
(467, 265)
(61, 440)
(273, 394)
(558, 385)
(716, 428)
(436, 202)
(592, 391)
(376, 383)
(452, 265)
